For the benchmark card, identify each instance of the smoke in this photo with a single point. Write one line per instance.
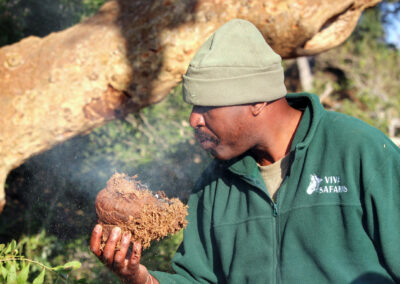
(58, 188)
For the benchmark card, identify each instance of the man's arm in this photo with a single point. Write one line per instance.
(382, 205)
(196, 259)
(129, 268)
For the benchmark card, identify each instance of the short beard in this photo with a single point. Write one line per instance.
(201, 136)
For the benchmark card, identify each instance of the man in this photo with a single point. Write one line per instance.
(295, 194)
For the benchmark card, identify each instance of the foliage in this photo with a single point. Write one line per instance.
(364, 73)
(16, 268)
(10, 24)
(19, 18)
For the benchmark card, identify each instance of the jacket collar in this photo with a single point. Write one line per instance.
(246, 166)
(313, 113)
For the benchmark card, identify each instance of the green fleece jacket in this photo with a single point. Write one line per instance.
(336, 217)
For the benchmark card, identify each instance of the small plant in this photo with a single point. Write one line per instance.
(16, 268)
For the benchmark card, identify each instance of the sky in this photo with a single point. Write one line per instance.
(392, 30)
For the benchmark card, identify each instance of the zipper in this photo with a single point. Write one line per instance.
(275, 209)
(276, 225)
(277, 228)
(276, 217)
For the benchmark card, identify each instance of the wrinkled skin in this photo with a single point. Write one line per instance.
(128, 268)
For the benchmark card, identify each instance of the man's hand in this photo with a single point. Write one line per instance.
(129, 268)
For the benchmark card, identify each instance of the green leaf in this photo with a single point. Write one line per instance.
(3, 271)
(40, 278)
(72, 265)
(13, 245)
(8, 249)
(68, 266)
(11, 248)
(58, 268)
(23, 275)
(12, 274)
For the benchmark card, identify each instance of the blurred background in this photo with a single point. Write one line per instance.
(50, 198)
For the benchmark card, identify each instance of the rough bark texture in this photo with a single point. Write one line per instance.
(128, 204)
(131, 54)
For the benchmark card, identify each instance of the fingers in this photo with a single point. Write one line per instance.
(109, 249)
(136, 255)
(119, 258)
(95, 240)
(116, 259)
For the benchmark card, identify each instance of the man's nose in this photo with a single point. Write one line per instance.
(196, 119)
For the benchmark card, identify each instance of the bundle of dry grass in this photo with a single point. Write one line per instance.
(128, 204)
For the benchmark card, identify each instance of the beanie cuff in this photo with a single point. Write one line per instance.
(252, 88)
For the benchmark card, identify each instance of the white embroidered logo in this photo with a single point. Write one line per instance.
(332, 185)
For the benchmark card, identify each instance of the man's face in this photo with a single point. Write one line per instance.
(222, 131)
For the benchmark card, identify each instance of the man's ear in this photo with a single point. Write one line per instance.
(257, 108)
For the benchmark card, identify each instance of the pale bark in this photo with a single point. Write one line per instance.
(305, 74)
(131, 54)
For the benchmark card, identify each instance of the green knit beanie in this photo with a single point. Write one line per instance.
(234, 66)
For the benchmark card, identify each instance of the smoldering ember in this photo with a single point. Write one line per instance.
(148, 216)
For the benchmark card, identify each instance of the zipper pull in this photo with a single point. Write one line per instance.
(275, 208)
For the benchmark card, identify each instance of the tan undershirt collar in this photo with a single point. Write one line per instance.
(274, 174)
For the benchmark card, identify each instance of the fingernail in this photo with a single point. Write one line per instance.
(97, 228)
(137, 247)
(125, 240)
(115, 233)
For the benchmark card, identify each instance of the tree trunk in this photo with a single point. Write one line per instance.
(305, 74)
(130, 55)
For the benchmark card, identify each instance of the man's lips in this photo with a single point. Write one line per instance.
(205, 140)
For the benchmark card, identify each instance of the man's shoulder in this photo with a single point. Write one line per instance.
(353, 132)
(348, 125)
